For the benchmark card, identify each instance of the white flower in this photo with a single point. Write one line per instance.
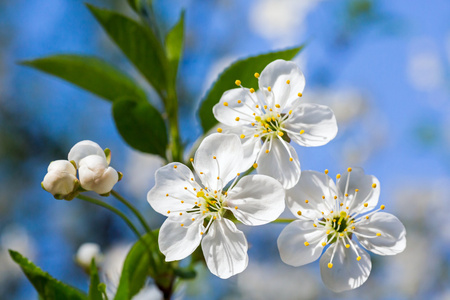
(61, 179)
(86, 253)
(330, 214)
(267, 123)
(93, 167)
(198, 208)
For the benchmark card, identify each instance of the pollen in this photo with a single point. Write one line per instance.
(306, 244)
(378, 234)
(302, 131)
(193, 219)
(175, 167)
(167, 195)
(291, 159)
(256, 135)
(326, 171)
(341, 234)
(255, 165)
(374, 185)
(214, 157)
(366, 204)
(267, 151)
(330, 265)
(357, 190)
(256, 75)
(314, 225)
(237, 119)
(290, 112)
(225, 104)
(201, 233)
(277, 105)
(338, 176)
(235, 207)
(299, 94)
(280, 133)
(324, 244)
(299, 213)
(367, 217)
(347, 246)
(328, 231)
(201, 173)
(346, 195)
(306, 201)
(218, 177)
(182, 225)
(182, 201)
(349, 169)
(239, 101)
(242, 136)
(269, 88)
(288, 81)
(238, 174)
(252, 90)
(168, 211)
(382, 207)
(237, 82)
(335, 197)
(181, 214)
(185, 187)
(358, 258)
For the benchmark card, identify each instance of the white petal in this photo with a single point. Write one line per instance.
(250, 143)
(366, 193)
(311, 187)
(225, 249)
(228, 113)
(95, 175)
(86, 253)
(228, 153)
(347, 272)
(291, 243)
(316, 122)
(59, 183)
(259, 200)
(277, 163)
(83, 149)
(276, 74)
(393, 234)
(172, 182)
(177, 242)
(62, 166)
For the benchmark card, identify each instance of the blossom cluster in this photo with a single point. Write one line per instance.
(95, 174)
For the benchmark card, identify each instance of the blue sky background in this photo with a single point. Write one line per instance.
(393, 55)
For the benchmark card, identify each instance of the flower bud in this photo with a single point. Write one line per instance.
(86, 253)
(96, 175)
(83, 149)
(61, 179)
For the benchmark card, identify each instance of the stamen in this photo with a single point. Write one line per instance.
(256, 75)
(238, 82)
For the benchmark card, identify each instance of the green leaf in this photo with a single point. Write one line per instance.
(94, 293)
(243, 70)
(137, 266)
(89, 73)
(138, 43)
(185, 273)
(174, 45)
(134, 4)
(141, 126)
(47, 287)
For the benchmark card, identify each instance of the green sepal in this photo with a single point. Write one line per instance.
(94, 293)
(107, 155)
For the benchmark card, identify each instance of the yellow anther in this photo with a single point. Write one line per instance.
(331, 212)
(200, 194)
(346, 195)
(237, 119)
(299, 213)
(167, 195)
(175, 167)
(242, 136)
(302, 131)
(366, 204)
(213, 158)
(356, 190)
(374, 185)
(168, 211)
(225, 104)
(181, 214)
(192, 179)
(290, 112)
(338, 176)
(277, 105)
(252, 90)
(273, 118)
(182, 201)
(342, 204)
(347, 246)
(288, 81)
(267, 151)
(306, 201)
(182, 225)
(323, 197)
(346, 208)
(256, 75)
(257, 106)
(367, 218)
(353, 227)
(193, 219)
(349, 169)
(265, 106)
(235, 207)
(306, 244)
(335, 197)
(269, 119)
(280, 133)
(382, 207)
(191, 159)
(255, 165)
(253, 124)
(238, 174)
(299, 94)
(201, 173)
(324, 244)
(239, 101)
(214, 217)
(341, 234)
(199, 204)
(358, 258)
(334, 220)
(278, 115)
(330, 265)
(256, 135)
(378, 234)
(269, 88)
(291, 159)
(201, 233)
(237, 82)
(218, 177)
(314, 225)
(328, 231)
(185, 187)
(326, 171)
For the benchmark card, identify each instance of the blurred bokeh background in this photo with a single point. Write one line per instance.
(383, 66)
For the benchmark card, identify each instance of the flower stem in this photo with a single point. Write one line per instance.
(133, 209)
(113, 209)
(283, 220)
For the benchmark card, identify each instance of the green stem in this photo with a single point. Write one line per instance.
(113, 209)
(176, 147)
(133, 209)
(283, 220)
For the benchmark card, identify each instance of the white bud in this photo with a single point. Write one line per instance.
(86, 253)
(83, 149)
(61, 178)
(95, 175)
